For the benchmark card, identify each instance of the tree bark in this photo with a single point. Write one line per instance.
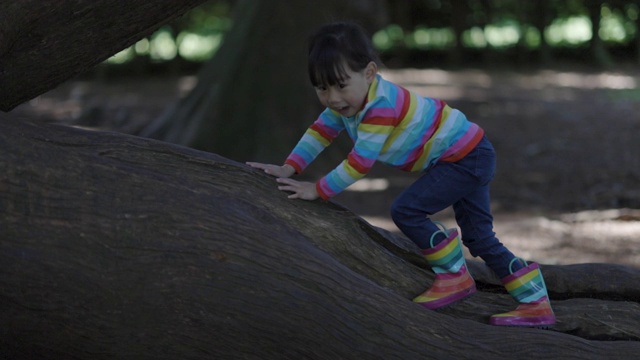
(43, 45)
(113, 246)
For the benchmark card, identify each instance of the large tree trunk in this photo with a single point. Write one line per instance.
(253, 100)
(43, 44)
(113, 246)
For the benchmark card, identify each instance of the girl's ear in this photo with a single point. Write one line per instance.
(370, 71)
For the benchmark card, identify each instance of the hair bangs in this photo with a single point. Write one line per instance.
(326, 67)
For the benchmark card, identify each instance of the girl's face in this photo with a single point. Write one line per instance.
(348, 97)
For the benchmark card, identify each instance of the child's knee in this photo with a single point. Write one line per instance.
(398, 215)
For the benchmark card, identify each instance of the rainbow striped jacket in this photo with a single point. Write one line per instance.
(395, 127)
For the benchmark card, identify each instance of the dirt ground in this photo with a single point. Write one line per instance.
(567, 188)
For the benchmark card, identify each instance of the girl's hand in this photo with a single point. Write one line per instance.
(283, 171)
(300, 189)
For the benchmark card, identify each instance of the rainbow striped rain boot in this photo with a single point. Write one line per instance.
(528, 288)
(453, 281)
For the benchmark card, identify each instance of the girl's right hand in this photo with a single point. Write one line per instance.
(278, 171)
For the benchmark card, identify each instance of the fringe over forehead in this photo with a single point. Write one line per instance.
(335, 46)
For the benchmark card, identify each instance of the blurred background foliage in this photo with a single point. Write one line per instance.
(194, 37)
(431, 33)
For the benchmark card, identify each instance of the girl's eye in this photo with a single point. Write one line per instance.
(320, 88)
(342, 85)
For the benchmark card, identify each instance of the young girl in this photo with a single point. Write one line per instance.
(387, 123)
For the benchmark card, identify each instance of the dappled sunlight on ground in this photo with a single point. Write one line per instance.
(557, 240)
(552, 84)
(533, 80)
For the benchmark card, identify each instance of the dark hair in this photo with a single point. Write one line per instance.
(332, 46)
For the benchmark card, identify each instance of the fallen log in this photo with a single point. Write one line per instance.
(45, 44)
(114, 246)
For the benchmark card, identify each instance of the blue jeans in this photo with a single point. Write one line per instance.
(465, 185)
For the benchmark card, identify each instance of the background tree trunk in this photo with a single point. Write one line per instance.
(253, 99)
(542, 19)
(459, 25)
(113, 246)
(597, 47)
(637, 41)
(44, 44)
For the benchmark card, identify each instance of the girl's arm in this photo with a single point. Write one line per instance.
(373, 133)
(317, 137)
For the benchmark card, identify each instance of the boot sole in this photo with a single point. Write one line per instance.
(541, 327)
(454, 300)
(541, 322)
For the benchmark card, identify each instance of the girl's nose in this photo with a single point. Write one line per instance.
(333, 96)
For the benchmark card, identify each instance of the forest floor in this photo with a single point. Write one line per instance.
(567, 188)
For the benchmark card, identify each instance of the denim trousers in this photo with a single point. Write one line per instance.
(465, 186)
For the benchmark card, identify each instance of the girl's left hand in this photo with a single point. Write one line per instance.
(300, 189)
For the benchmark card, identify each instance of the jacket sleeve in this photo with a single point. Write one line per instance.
(317, 137)
(373, 133)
